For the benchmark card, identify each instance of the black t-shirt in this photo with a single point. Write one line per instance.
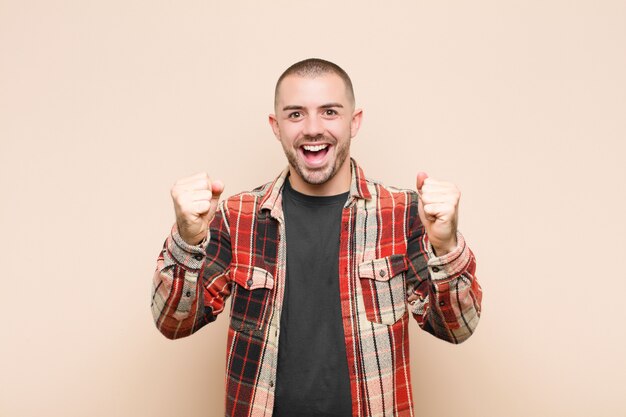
(312, 375)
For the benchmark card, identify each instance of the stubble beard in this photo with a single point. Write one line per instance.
(319, 176)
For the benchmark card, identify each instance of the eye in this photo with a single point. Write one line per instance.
(295, 115)
(330, 112)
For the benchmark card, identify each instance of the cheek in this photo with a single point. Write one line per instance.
(339, 130)
(289, 134)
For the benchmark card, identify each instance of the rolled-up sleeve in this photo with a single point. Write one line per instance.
(446, 296)
(190, 284)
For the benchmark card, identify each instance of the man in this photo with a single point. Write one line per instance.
(323, 267)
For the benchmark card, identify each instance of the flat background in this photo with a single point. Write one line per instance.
(103, 105)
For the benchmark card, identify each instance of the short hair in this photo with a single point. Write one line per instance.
(314, 67)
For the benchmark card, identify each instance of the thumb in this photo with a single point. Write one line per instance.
(217, 187)
(421, 176)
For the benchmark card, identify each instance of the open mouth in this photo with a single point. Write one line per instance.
(315, 155)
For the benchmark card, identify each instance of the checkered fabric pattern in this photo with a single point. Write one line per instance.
(384, 257)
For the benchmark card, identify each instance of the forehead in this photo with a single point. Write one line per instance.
(312, 91)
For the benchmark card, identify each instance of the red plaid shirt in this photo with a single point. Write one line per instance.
(384, 257)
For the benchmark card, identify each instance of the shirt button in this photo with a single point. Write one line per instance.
(382, 273)
(188, 294)
(198, 257)
(435, 269)
(249, 282)
(442, 303)
(271, 383)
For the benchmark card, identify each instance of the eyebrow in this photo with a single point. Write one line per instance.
(323, 106)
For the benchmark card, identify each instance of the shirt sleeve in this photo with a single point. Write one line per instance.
(191, 282)
(445, 296)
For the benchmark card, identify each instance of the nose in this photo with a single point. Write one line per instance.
(313, 126)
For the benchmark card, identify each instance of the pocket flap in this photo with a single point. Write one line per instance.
(252, 277)
(382, 269)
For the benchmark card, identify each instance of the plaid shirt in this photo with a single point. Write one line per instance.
(384, 257)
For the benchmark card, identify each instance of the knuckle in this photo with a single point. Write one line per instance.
(204, 183)
(205, 178)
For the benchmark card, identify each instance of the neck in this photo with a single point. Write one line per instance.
(338, 184)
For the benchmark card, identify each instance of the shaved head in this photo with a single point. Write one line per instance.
(312, 68)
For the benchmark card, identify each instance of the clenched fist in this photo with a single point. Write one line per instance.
(195, 202)
(438, 209)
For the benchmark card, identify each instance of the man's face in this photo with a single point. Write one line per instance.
(315, 121)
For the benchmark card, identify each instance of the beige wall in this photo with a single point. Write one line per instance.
(103, 105)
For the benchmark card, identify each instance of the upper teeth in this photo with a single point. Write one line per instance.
(315, 148)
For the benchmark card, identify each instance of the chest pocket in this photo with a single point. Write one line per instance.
(251, 298)
(382, 285)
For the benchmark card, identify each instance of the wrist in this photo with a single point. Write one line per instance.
(443, 248)
(194, 240)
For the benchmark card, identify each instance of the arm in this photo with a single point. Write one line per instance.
(443, 293)
(181, 302)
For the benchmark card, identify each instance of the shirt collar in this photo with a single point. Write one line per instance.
(358, 188)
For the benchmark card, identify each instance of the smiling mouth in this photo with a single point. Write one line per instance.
(315, 154)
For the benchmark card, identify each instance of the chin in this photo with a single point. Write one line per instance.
(316, 177)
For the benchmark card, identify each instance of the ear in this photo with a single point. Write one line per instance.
(274, 125)
(355, 123)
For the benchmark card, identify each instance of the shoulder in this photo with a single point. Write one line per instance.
(246, 199)
(256, 193)
(388, 193)
(394, 208)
